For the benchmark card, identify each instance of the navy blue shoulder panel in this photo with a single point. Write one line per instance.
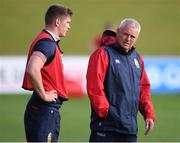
(47, 47)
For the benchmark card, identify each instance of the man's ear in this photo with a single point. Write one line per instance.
(118, 30)
(57, 21)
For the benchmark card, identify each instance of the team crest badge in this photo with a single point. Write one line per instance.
(136, 63)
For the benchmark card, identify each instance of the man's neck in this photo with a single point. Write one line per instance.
(53, 34)
(55, 37)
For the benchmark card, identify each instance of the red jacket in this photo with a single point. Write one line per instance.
(52, 74)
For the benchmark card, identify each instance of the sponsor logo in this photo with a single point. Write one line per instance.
(49, 138)
(101, 134)
(117, 61)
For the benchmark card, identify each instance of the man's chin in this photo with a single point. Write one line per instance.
(62, 35)
(126, 47)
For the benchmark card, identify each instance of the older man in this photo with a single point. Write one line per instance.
(118, 86)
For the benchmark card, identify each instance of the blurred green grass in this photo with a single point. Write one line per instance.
(76, 116)
(22, 20)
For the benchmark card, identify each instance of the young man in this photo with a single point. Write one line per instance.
(118, 86)
(44, 76)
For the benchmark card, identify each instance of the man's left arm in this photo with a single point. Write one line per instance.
(145, 105)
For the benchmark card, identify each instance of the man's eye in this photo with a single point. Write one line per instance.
(132, 36)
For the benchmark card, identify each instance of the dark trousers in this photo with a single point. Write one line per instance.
(42, 123)
(111, 137)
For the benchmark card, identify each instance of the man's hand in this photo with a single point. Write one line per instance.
(50, 96)
(149, 126)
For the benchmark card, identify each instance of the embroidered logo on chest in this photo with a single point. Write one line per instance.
(136, 63)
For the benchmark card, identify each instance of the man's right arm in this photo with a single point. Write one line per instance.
(96, 72)
(33, 69)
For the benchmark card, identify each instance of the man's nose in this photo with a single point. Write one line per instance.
(128, 38)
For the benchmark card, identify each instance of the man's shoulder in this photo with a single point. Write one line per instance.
(46, 46)
(100, 52)
(46, 42)
(101, 49)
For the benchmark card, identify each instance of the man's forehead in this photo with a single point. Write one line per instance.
(129, 28)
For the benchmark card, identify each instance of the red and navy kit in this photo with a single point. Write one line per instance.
(118, 87)
(52, 74)
(41, 118)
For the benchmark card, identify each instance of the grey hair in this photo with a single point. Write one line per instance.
(131, 22)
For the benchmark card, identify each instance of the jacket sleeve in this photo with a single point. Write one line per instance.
(145, 105)
(96, 71)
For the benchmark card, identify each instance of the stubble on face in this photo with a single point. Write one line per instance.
(126, 37)
(64, 26)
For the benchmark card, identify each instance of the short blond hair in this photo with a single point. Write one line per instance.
(130, 21)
